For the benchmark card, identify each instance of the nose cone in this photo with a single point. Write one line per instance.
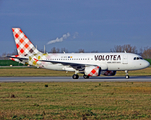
(146, 64)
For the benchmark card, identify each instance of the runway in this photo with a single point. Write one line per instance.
(81, 79)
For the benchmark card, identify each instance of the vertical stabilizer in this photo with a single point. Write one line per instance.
(23, 44)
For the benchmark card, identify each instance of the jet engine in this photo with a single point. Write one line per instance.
(92, 71)
(108, 73)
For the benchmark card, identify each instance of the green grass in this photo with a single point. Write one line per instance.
(70, 100)
(12, 72)
(149, 60)
(19, 71)
(9, 62)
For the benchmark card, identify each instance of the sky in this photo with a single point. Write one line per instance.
(92, 25)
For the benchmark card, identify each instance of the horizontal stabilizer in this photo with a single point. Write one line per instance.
(17, 57)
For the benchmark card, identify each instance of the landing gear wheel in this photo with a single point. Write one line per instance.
(127, 76)
(85, 76)
(75, 76)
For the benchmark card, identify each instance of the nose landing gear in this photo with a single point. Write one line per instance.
(127, 76)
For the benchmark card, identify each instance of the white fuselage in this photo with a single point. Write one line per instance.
(107, 61)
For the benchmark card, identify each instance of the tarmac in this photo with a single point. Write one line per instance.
(81, 79)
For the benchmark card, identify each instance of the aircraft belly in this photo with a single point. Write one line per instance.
(129, 66)
(135, 66)
(103, 66)
(58, 67)
(53, 67)
(114, 67)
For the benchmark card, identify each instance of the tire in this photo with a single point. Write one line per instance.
(75, 76)
(85, 76)
(127, 76)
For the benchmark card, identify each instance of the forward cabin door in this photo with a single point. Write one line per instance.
(125, 59)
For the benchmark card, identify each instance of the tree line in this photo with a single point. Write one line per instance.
(144, 52)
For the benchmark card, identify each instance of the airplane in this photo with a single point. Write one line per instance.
(89, 64)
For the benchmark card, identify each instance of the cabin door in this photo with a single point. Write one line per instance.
(125, 59)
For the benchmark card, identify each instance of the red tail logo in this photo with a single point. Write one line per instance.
(23, 44)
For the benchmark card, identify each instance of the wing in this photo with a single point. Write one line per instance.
(77, 66)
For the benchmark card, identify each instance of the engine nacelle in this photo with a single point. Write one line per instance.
(108, 73)
(92, 71)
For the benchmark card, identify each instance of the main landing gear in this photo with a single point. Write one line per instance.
(127, 76)
(85, 76)
(76, 76)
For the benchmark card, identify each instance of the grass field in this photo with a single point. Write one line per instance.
(9, 62)
(73, 100)
(69, 100)
(19, 71)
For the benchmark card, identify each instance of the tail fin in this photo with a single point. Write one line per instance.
(23, 44)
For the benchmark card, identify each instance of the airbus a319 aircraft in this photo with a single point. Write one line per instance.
(89, 64)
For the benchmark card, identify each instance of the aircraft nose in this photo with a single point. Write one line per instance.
(146, 64)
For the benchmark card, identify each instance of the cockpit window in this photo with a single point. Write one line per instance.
(138, 58)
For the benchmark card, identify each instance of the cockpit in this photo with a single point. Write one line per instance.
(138, 58)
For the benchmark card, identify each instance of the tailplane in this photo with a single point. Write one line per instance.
(23, 44)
